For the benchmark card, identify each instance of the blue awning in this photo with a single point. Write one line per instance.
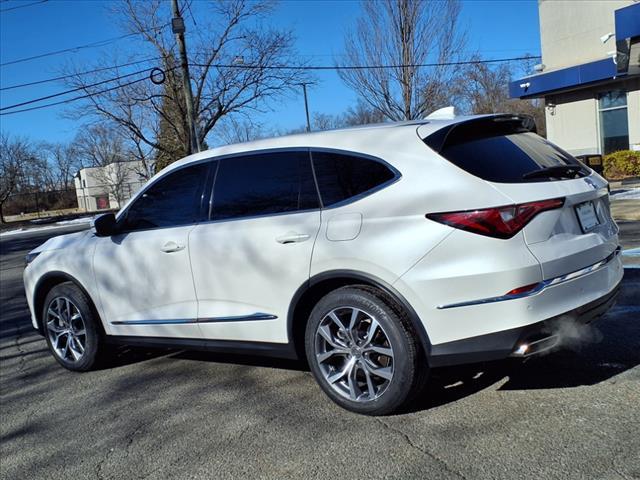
(627, 22)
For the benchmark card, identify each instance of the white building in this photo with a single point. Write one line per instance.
(108, 187)
(589, 75)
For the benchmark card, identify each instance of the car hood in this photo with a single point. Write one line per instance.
(60, 242)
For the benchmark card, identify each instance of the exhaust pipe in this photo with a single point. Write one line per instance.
(528, 348)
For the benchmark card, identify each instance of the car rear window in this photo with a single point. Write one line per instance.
(502, 152)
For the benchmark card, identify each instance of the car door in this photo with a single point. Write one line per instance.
(143, 273)
(253, 255)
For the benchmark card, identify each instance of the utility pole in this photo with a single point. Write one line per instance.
(178, 28)
(306, 106)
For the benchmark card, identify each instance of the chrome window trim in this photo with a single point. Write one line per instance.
(540, 286)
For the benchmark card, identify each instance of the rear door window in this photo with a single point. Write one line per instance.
(502, 153)
(264, 184)
(342, 177)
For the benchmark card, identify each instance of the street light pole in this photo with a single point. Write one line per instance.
(178, 28)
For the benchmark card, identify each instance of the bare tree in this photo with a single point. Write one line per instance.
(113, 165)
(63, 163)
(362, 114)
(485, 89)
(234, 66)
(403, 35)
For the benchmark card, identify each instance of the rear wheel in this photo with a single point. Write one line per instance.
(362, 351)
(71, 327)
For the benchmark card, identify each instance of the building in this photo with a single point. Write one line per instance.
(108, 187)
(589, 75)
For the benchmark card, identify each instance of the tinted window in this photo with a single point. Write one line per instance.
(264, 184)
(341, 177)
(175, 199)
(499, 151)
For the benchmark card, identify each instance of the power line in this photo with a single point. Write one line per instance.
(99, 43)
(74, 98)
(22, 6)
(289, 67)
(63, 77)
(66, 92)
(360, 67)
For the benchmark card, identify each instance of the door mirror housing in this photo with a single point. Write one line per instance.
(105, 225)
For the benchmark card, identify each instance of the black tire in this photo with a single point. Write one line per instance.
(409, 365)
(92, 337)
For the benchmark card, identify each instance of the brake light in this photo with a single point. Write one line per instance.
(499, 222)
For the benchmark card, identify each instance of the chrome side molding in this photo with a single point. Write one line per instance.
(540, 286)
(237, 318)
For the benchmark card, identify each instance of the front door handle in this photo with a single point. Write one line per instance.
(292, 237)
(171, 247)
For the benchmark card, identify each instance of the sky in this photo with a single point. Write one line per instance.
(496, 29)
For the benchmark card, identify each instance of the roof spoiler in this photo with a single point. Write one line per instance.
(480, 127)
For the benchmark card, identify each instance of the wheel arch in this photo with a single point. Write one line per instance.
(44, 286)
(320, 284)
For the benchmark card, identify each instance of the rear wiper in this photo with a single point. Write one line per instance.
(559, 171)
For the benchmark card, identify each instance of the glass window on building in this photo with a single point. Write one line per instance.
(614, 124)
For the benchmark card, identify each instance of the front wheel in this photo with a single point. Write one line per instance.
(363, 352)
(70, 327)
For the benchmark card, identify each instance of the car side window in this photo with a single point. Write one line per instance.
(341, 177)
(263, 184)
(174, 200)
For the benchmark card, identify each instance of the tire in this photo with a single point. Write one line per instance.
(368, 373)
(81, 353)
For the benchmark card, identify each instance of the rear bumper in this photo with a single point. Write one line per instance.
(499, 345)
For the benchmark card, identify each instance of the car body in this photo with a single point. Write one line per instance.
(268, 228)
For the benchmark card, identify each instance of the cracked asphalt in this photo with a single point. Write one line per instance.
(572, 414)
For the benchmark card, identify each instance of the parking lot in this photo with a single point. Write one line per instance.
(171, 414)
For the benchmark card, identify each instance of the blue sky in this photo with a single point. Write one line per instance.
(497, 28)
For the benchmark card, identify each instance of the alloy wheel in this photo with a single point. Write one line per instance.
(354, 354)
(66, 329)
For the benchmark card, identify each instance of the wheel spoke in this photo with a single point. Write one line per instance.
(341, 373)
(325, 332)
(50, 311)
(51, 326)
(322, 357)
(386, 351)
(352, 382)
(73, 348)
(370, 387)
(373, 326)
(56, 340)
(382, 372)
(65, 352)
(68, 309)
(78, 344)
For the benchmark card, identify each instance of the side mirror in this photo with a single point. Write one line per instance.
(105, 225)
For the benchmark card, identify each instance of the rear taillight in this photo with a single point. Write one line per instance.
(498, 222)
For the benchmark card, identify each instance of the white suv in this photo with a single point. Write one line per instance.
(375, 252)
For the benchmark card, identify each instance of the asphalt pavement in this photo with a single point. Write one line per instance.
(571, 414)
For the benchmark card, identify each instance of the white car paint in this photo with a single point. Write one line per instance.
(239, 267)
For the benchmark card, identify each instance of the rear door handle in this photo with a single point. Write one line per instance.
(292, 238)
(171, 247)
